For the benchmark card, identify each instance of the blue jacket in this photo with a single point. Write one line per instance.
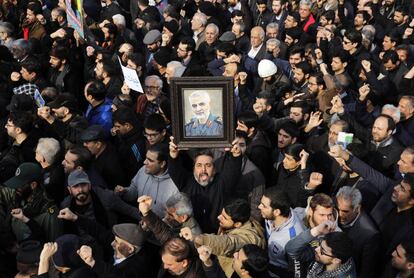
(100, 115)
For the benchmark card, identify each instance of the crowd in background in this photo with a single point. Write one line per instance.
(94, 185)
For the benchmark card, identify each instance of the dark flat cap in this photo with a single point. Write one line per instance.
(93, 133)
(228, 36)
(64, 100)
(131, 233)
(152, 37)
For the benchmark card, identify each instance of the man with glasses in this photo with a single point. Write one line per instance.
(155, 130)
(331, 258)
(189, 57)
(148, 103)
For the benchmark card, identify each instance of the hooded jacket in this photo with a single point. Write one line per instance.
(160, 188)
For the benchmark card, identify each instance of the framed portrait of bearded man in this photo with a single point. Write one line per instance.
(202, 111)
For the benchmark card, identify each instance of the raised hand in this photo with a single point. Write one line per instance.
(204, 253)
(187, 234)
(315, 180)
(173, 148)
(144, 204)
(85, 253)
(67, 214)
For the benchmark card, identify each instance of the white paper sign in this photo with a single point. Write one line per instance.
(131, 78)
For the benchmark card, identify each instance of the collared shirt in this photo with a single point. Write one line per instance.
(253, 51)
(235, 8)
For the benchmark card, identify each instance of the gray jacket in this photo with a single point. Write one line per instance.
(160, 188)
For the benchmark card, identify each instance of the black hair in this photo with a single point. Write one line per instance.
(390, 55)
(268, 96)
(22, 120)
(238, 210)
(302, 105)
(365, 15)
(278, 200)
(260, 2)
(297, 50)
(189, 42)
(84, 156)
(31, 65)
(401, 9)
(155, 122)
(409, 179)
(161, 150)
(295, 33)
(319, 78)
(109, 67)
(226, 47)
(125, 115)
(206, 152)
(305, 67)
(96, 89)
(59, 52)
(354, 36)
(329, 15)
(394, 36)
(257, 261)
(294, 150)
(341, 54)
(290, 128)
(35, 7)
(249, 118)
(241, 134)
(408, 246)
(340, 244)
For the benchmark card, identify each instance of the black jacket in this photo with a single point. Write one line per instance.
(293, 184)
(366, 245)
(208, 201)
(385, 205)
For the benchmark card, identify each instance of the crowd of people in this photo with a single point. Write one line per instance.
(319, 179)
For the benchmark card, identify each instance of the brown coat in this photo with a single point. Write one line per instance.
(225, 244)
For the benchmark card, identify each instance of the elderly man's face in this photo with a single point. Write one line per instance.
(211, 35)
(271, 33)
(255, 38)
(200, 105)
(169, 72)
(152, 89)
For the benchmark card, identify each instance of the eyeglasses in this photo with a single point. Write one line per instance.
(151, 135)
(151, 88)
(323, 252)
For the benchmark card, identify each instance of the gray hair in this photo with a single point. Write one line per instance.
(119, 19)
(305, 3)
(351, 195)
(48, 148)
(273, 25)
(273, 41)
(200, 94)
(242, 26)
(181, 203)
(261, 31)
(177, 67)
(215, 27)
(7, 28)
(395, 112)
(202, 17)
(157, 78)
